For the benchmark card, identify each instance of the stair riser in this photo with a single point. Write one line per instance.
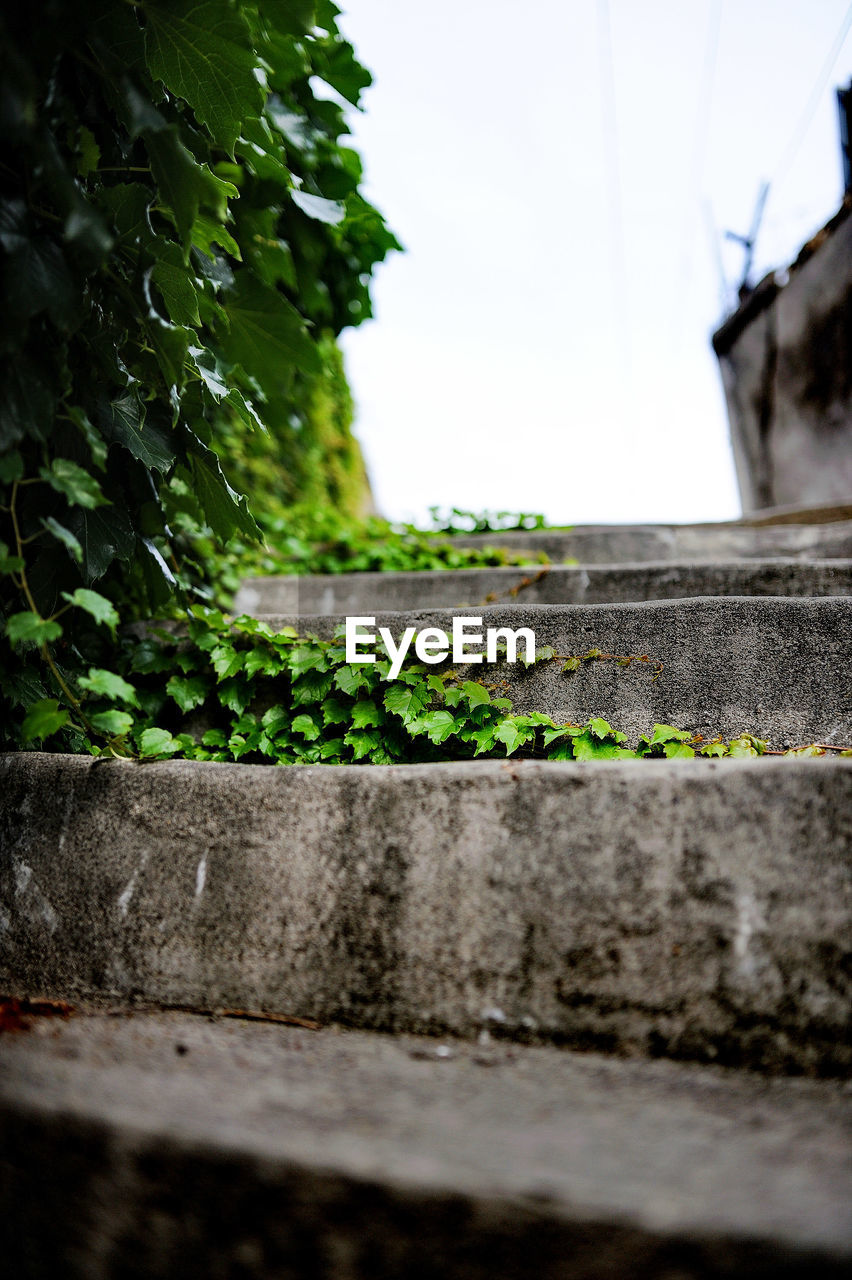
(612, 544)
(776, 668)
(690, 909)
(372, 592)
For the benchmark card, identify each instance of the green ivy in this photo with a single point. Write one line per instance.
(182, 238)
(226, 690)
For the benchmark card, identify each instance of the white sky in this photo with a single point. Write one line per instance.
(543, 344)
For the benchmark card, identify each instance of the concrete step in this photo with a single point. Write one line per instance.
(356, 593)
(688, 909)
(166, 1145)
(617, 544)
(777, 668)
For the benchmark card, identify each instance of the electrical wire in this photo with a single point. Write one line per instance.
(798, 137)
(618, 259)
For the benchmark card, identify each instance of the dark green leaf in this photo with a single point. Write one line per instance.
(267, 335)
(68, 478)
(201, 50)
(29, 628)
(224, 510)
(157, 742)
(94, 604)
(176, 281)
(115, 724)
(107, 684)
(188, 691)
(123, 422)
(104, 535)
(43, 719)
(66, 537)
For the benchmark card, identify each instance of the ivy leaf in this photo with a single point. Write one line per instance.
(157, 742)
(188, 691)
(202, 53)
(407, 703)
(350, 679)
(267, 335)
(96, 605)
(667, 733)
(10, 564)
(68, 478)
(587, 746)
(11, 467)
(226, 661)
(38, 279)
(104, 535)
(290, 17)
(437, 725)
(477, 695)
(115, 724)
(224, 510)
(29, 628)
(93, 439)
(43, 719)
(363, 741)
(365, 714)
(601, 729)
(484, 739)
(332, 212)
(714, 749)
(176, 281)
(338, 67)
(512, 734)
(184, 184)
(307, 727)
(678, 751)
(107, 684)
(27, 405)
(65, 536)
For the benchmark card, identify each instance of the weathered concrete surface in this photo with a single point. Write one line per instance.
(686, 543)
(354, 593)
(694, 909)
(795, 513)
(170, 1145)
(774, 667)
(786, 363)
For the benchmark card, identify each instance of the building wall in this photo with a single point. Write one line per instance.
(786, 363)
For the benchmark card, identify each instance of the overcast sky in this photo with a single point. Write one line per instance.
(561, 173)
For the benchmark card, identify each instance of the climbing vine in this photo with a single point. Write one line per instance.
(182, 237)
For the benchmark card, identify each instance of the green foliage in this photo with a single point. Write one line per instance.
(313, 538)
(182, 238)
(228, 690)
(460, 520)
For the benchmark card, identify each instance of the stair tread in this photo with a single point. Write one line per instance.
(553, 584)
(142, 1116)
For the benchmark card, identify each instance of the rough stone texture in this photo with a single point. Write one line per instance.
(355, 593)
(773, 667)
(686, 543)
(694, 909)
(785, 360)
(170, 1145)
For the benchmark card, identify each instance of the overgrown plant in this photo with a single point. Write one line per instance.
(182, 237)
(235, 690)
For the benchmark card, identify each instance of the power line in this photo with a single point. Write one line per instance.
(813, 101)
(699, 154)
(618, 271)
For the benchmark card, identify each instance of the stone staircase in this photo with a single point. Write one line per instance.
(502, 1018)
